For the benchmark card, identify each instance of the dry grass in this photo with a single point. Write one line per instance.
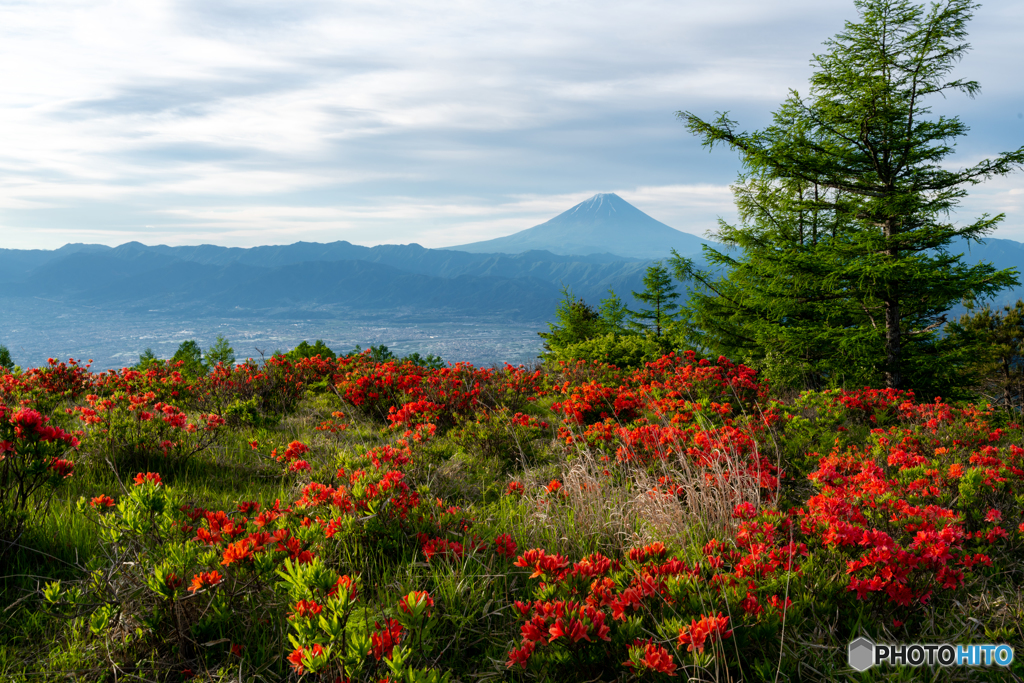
(611, 514)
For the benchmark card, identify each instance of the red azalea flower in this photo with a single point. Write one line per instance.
(696, 635)
(306, 608)
(386, 638)
(520, 656)
(651, 656)
(142, 477)
(205, 580)
(505, 546)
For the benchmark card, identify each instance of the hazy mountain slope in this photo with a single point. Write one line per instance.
(603, 223)
(363, 285)
(81, 273)
(16, 264)
(154, 276)
(134, 279)
(1002, 254)
(411, 257)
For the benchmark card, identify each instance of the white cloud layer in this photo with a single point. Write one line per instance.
(441, 122)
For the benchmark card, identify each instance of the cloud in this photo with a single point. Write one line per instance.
(379, 120)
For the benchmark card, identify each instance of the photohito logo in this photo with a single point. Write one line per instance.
(862, 654)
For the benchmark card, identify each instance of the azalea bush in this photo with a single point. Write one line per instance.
(369, 519)
(34, 461)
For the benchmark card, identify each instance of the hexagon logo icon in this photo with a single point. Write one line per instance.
(861, 654)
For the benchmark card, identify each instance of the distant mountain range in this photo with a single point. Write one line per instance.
(212, 281)
(310, 280)
(605, 223)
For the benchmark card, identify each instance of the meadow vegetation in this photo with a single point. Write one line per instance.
(366, 520)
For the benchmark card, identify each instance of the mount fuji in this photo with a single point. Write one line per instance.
(604, 224)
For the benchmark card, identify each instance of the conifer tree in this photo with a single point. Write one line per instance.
(220, 352)
(576, 321)
(614, 314)
(307, 350)
(147, 359)
(660, 295)
(996, 340)
(190, 355)
(848, 247)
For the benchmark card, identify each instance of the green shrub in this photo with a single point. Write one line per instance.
(307, 350)
(623, 350)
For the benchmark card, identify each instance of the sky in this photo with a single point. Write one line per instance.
(246, 122)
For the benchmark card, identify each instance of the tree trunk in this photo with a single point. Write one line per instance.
(892, 345)
(892, 322)
(1007, 383)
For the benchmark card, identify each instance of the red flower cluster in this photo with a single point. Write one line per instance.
(651, 551)
(150, 477)
(298, 656)
(385, 638)
(102, 502)
(32, 426)
(514, 488)
(554, 620)
(644, 654)
(551, 567)
(440, 547)
(306, 608)
(695, 636)
(902, 542)
(205, 580)
(505, 546)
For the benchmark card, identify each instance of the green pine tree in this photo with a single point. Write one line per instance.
(996, 343)
(614, 314)
(773, 300)
(6, 362)
(307, 350)
(864, 155)
(147, 359)
(190, 355)
(220, 352)
(575, 322)
(660, 295)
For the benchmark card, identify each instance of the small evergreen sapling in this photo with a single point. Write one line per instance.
(220, 353)
(576, 322)
(147, 359)
(190, 355)
(996, 342)
(660, 296)
(6, 362)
